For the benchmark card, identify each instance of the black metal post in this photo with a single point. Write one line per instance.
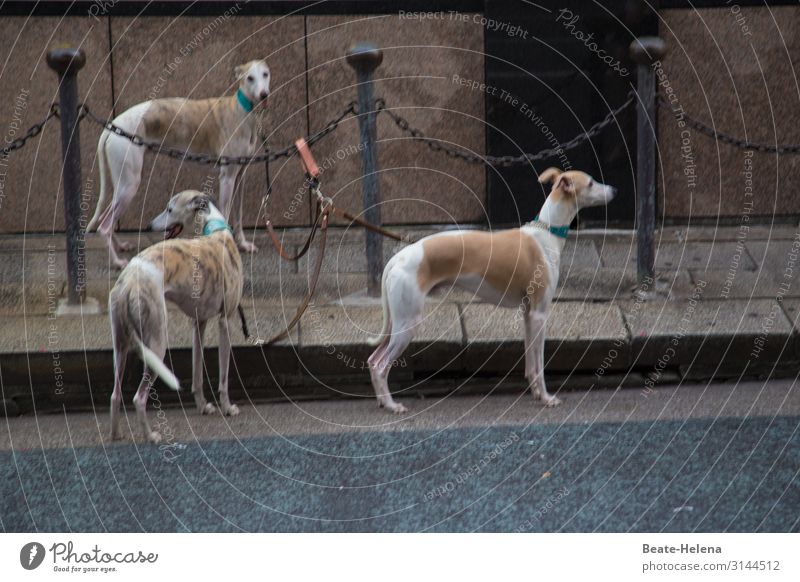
(365, 58)
(67, 62)
(645, 51)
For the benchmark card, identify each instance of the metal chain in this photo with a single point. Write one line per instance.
(34, 130)
(709, 131)
(505, 161)
(160, 148)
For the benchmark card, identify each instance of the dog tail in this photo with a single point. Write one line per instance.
(102, 166)
(156, 364)
(374, 340)
(136, 312)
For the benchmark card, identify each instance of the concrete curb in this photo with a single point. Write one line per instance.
(66, 363)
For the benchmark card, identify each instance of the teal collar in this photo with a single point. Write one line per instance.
(246, 104)
(215, 225)
(559, 231)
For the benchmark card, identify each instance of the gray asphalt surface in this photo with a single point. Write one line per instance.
(704, 458)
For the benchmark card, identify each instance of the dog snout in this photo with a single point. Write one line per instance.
(264, 95)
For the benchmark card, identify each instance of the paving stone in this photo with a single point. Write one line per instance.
(579, 254)
(672, 256)
(791, 307)
(333, 338)
(608, 284)
(699, 233)
(93, 332)
(779, 256)
(579, 335)
(766, 284)
(712, 332)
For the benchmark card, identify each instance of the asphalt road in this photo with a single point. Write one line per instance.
(688, 458)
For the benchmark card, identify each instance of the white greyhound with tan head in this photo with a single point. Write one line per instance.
(515, 268)
(202, 276)
(223, 126)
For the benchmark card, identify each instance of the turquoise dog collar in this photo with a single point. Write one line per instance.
(246, 104)
(215, 225)
(559, 231)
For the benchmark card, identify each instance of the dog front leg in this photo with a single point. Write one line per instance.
(203, 407)
(535, 324)
(228, 409)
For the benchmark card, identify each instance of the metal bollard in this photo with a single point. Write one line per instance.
(365, 58)
(67, 62)
(645, 51)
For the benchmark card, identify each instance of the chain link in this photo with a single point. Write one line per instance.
(504, 161)
(436, 145)
(736, 142)
(33, 131)
(268, 156)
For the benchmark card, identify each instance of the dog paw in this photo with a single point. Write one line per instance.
(552, 402)
(247, 247)
(154, 437)
(125, 245)
(206, 408)
(394, 407)
(232, 410)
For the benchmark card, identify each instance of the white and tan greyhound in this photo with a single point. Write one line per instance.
(515, 268)
(222, 126)
(202, 276)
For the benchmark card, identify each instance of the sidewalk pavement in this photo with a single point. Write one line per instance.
(724, 305)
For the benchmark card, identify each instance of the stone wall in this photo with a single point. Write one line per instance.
(728, 65)
(132, 59)
(731, 66)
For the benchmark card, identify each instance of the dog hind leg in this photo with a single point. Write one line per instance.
(203, 407)
(405, 303)
(125, 166)
(140, 402)
(120, 355)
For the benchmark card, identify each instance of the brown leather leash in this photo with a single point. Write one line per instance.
(304, 249)
(323, 233)
(324, 209)
(369, 226)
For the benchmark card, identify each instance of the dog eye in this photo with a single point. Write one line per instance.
(250, 78)
(169, 210)
(266, 75)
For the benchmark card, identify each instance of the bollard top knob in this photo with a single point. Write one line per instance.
(63, 59)
(646, 50)
(364, 55)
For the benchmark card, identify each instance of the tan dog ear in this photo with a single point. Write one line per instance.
(565, 183)
(238, 70)
(549, 175)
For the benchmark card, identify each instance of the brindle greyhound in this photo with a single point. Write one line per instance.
(202, 276)
(219, 126)
(512, 268)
